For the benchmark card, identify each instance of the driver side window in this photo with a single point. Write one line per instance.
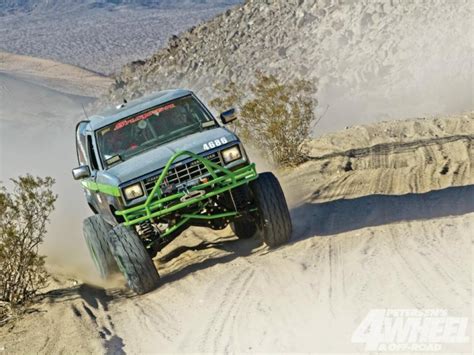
(81, 143)
(91, 153)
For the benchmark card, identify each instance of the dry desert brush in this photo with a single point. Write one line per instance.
(24, 216)
(275, 117)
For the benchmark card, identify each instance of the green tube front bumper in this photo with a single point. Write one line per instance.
(218, 181)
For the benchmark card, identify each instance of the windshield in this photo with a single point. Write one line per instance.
(161, 124)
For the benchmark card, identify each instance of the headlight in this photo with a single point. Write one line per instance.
(133, 191)
(231, 154)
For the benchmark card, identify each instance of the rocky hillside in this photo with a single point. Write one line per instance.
(373, 59)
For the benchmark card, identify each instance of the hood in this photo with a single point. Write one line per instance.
(157, 158)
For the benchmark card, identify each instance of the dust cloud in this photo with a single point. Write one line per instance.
(37, 137)
(418, 71)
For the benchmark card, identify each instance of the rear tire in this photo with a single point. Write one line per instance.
(275, 221)
(95, 231)
(244, 228)
(133, 259)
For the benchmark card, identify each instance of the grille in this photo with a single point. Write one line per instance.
(183, 173)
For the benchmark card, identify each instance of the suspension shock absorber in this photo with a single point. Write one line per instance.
(145, 230)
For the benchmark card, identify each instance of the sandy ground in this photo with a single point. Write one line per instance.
(54, 75)
(383, 217)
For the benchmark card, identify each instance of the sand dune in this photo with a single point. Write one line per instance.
(411, 156)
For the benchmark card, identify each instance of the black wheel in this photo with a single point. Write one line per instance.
(133, 259)
(244, 228)
(275, 222)
(96, 231)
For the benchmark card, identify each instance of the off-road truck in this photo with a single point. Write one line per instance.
(152, 167)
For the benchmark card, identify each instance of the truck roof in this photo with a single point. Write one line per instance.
(135, 106)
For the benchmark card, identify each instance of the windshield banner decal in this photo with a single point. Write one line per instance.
(143, 116)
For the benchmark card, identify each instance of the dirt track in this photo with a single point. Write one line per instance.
(392, 229)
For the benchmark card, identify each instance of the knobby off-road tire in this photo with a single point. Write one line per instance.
(244, 229)
(275, 222)
(95, 231)
(133, 259)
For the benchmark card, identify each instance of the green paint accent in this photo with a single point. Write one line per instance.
(106, 189)
(156, 206)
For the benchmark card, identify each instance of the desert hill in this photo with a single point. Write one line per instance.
(372, 60)
(11, 6)
(54, 75)
(101, 36)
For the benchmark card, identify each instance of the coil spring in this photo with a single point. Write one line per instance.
(145, 230)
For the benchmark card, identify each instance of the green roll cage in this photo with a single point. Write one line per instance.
(220, 180)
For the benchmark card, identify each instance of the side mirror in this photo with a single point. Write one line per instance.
(228, 116)
(81, 172)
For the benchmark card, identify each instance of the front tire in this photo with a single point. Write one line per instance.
(244, 228)
(95, 230)
(275, 221)
(133, 259)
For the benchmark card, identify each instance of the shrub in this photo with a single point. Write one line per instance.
(277, 118)
(23, 219)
